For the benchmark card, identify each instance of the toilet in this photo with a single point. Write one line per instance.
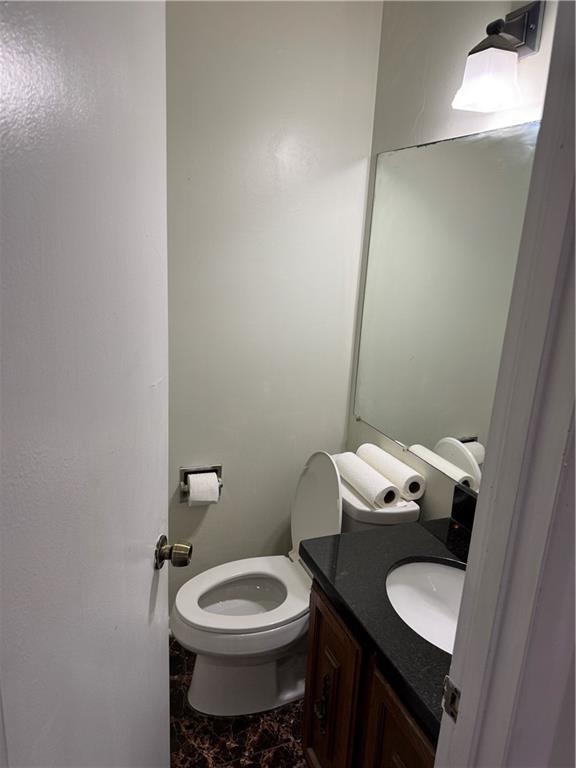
(246, 620)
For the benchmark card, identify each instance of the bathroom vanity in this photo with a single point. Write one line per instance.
(352, 715)
(373, 686)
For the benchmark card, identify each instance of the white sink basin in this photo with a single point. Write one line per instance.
(426, 595)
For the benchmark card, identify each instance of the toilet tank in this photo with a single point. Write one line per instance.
(358, 515)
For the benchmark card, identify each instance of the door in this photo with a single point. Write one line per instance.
(83, 356)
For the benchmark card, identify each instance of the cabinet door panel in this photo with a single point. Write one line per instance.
(332, 683)
(393, 740)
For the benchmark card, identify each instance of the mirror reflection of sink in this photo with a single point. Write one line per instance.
(426, 595)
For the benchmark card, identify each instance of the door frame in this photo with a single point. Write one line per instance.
(521, 555)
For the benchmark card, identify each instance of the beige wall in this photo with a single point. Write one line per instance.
(422, 57)
(270, 111)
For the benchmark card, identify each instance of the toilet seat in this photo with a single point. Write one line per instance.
(280, 568)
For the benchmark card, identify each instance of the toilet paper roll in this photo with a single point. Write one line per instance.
(202, 488)
(477, 450)
(454, 472)
(411, 483)
(371, 485)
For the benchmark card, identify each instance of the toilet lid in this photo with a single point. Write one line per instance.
(317, 504)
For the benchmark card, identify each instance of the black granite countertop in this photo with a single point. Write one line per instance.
(351, 568)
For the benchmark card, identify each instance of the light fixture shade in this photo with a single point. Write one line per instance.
(490, 82)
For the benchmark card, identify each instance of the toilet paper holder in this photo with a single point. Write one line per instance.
(183, 473)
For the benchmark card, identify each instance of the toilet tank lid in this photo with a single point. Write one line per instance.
(317, 504)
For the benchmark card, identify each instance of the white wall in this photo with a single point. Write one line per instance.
(83, 640)
(270, 109)
(422, 55)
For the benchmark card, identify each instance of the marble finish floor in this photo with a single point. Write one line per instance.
(269, 740)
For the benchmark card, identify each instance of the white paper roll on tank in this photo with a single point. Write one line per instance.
(370, 484)
(410, 482)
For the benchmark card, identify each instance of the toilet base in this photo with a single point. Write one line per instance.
(226, 687)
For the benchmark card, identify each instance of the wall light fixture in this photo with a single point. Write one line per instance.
(490, 82)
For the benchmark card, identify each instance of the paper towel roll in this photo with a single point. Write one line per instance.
(374, 487)
(454, 472)
(202, 488)
(411, 483)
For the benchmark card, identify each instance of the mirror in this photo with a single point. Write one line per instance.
(446, 225)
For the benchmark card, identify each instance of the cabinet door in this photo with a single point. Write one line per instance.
(332, 682)
(393, 740)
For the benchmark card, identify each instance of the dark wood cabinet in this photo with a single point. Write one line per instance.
(332, 687)
(352, 717)
(392, 738)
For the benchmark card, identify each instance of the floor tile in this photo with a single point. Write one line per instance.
(268, 740)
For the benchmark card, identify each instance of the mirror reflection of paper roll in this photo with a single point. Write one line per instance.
(454, 472)
(411, 483)
(458, 453)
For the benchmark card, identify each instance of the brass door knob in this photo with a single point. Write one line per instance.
(179, 554)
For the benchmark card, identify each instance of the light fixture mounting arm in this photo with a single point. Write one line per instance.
(521, 28)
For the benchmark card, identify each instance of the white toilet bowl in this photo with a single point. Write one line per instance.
(247, 620)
